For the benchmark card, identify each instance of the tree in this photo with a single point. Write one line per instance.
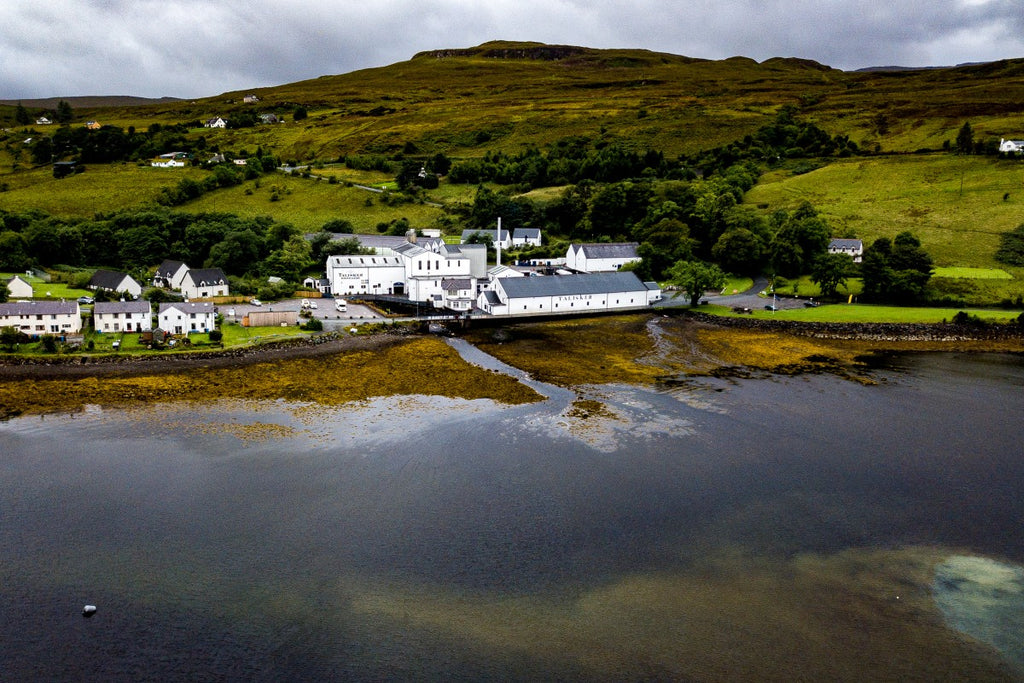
(830, 271)
(299, 113)
(695, 277)
(897, 270)
(965, 139)
(13, 253)
(21, 116)
(1011, 247)
(739, 250)
(64, 112)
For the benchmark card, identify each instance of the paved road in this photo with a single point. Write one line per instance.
(748, 299)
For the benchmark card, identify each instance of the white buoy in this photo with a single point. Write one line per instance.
(88, 611)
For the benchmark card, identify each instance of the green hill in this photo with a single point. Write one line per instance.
(511, 96)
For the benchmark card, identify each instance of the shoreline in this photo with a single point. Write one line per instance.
(879, 337)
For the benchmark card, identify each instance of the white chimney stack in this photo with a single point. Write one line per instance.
(497, 245)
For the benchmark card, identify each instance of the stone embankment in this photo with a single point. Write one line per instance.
(163, 361)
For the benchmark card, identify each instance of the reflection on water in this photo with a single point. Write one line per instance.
(773, 528)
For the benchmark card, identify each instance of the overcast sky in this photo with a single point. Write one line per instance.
(196, 48)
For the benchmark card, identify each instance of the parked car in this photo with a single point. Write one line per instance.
(86, 300)
(340, 305)
(255, 302)
(811, 303)
(771, 307)
(307, 304)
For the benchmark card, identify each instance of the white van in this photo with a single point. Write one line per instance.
(340, 305)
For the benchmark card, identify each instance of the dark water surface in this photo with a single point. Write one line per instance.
(421, 538)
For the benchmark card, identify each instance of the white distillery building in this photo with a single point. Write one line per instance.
(365, 274)
(601, 257)
(36, 318)
(562, 294)
(122, 316)
(425, 272)
(186, 318)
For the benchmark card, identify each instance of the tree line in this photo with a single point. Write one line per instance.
(248, 249)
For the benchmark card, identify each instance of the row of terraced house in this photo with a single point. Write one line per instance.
(64, 318)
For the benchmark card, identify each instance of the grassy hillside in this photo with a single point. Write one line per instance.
(506, 95)
(954, 204)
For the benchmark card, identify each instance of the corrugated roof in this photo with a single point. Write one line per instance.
(571, 285)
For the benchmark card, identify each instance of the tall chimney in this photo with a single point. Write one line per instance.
(497, 245)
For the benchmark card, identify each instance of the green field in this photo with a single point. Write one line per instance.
(101, 188)
(861, 313)
(308, 204)
(955, 205)
(957, 273)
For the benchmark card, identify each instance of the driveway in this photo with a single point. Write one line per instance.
(748, 299)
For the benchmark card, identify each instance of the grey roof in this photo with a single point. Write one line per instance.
(39, 308)
(209, 276)
(526, 233)
(187, 307)
(466, 234)
(103, 307)
(108, 279)
(168, 268)
(385, 241)
(608, 249)
(845, 244)
(355, 260)
(569, 285)
(492, 297)
(456, 283)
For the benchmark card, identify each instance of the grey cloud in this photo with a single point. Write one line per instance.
(191, 48)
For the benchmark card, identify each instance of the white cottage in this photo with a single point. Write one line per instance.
(115, 282)
(1011, 146)
(852, 248)
(36, 318)
(122, 316)
(170, 274)
(203, 283)
(186, 318)
(526, 237)
(19, 288)
(601, 257)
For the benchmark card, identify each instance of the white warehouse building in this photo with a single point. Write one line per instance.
(365, 274)
(567, 294)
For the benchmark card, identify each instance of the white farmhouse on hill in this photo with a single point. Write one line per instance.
(852, 248)
(1011, 146)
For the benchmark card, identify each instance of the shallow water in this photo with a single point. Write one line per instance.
(721, 530)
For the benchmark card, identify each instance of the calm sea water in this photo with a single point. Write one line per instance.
(421, 538)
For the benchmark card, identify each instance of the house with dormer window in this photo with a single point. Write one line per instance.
(203, 283)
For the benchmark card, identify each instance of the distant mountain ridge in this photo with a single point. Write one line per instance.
(91, 101)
